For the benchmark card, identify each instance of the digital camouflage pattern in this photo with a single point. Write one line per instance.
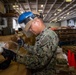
(40, 54)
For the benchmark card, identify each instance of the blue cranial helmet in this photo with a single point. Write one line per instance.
(25, 20)
(26, 17)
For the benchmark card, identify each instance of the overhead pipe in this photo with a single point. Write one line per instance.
(44, 6)
(68, 17)
(29, 5)
(72, 16)
(36, 5)
(70, 13)
(66, 11)
(56, 9)
(20, 6)
(23, 7)
(49, 10)
(62, 10)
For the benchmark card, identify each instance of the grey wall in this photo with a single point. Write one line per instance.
(5, 23)
(64, 23)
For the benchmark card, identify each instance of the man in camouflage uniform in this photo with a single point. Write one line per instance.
(41, 57)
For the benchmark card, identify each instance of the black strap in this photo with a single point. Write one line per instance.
(5, 64)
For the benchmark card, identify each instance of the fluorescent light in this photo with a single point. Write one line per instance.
(15, 6)
(43, 15)
(39, 10)
(60, 19)
(41, 5)
(55, 19)
(21, 11)
(68, 13)
(68, 0)
(59, 10)
(64, 17)
(55, 14)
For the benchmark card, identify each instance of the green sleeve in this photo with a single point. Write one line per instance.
(40, 54)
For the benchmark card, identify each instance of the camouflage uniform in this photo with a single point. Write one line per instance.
(41, 53)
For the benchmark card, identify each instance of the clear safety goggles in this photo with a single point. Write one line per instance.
(25, 29)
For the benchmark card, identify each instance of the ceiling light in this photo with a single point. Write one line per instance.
(15, 6)
(55, 14)
(21, 11)
(41, 5)
(64, 17)
(68, 0)
(59, 10)
(54, 19)
(39, 10)
(68, 13)
(43, 15)
(60, 19)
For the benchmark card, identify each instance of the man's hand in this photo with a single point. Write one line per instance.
(9, 54)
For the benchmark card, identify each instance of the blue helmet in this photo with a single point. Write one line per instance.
(25, 17)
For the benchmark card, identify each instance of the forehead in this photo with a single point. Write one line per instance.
(31, 24)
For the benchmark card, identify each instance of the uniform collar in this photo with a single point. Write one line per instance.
(38, 37)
